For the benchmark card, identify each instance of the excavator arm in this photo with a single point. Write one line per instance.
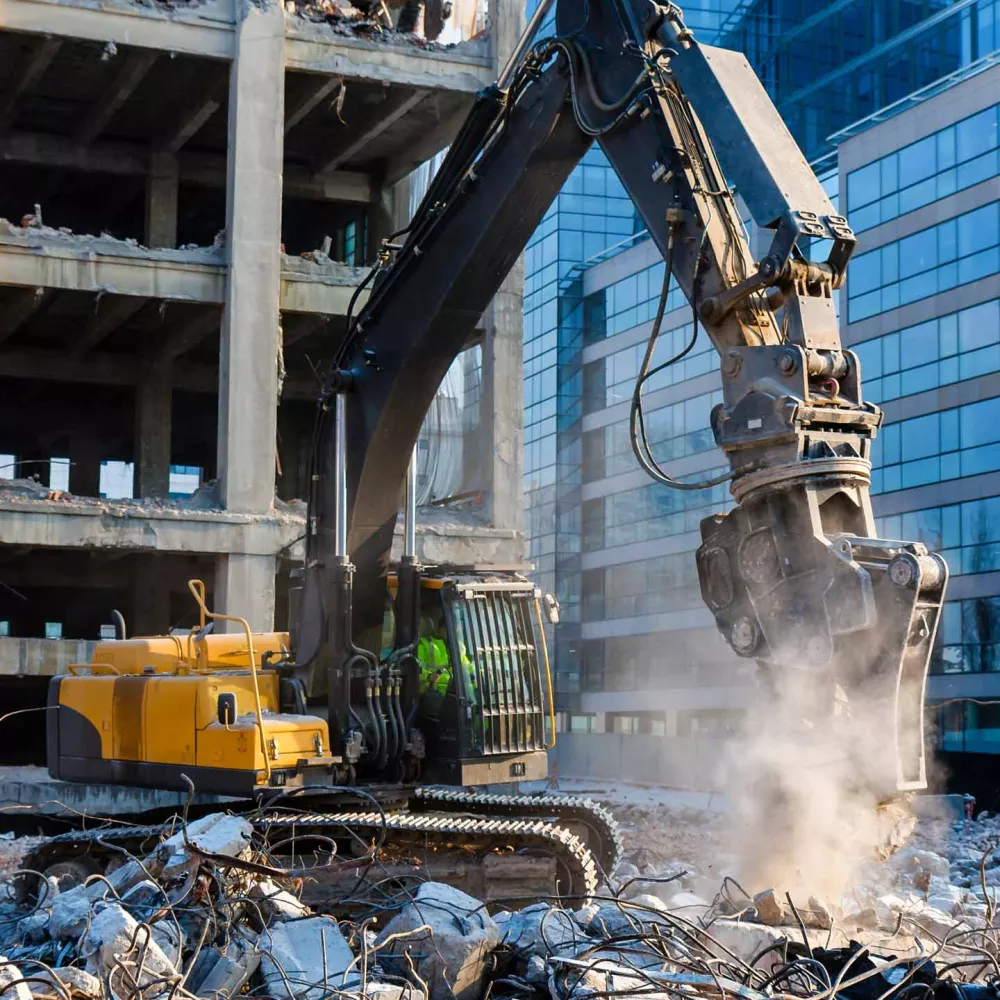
(795, 576)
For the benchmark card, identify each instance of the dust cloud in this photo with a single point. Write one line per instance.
(804, 780)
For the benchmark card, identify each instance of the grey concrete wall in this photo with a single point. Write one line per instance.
(687, 763)
(42, 657)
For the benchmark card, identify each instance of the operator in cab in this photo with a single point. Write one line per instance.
(435, 662)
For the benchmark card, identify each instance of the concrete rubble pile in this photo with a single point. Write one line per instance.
(399, 18)
(207, 913)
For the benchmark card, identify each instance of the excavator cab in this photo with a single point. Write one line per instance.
(483, 684)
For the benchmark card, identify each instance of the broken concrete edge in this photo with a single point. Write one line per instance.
(45, 239)
(299, 24)
(312, 265)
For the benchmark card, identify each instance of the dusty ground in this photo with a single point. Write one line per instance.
(657, 837)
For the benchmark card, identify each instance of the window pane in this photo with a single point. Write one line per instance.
(917, 162)
(863, 186)
(918, 253)
(976, 135)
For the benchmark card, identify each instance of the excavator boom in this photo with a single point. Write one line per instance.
(795, 576)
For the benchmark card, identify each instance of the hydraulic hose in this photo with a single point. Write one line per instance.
(392, 750)
(377, 749)
(383, 751)
(397, 707)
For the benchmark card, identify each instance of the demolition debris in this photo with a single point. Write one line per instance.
(213, 909)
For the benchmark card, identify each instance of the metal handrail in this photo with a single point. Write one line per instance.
(197, 588)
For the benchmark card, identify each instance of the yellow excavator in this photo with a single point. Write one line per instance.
(795, 575)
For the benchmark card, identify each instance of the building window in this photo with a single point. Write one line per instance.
(625, 725)
(116, 481)
(4, 629)
(351, 243)
(576, 723)
(955, 158)
(59, 473)
(676, 431)
(53, 630)
(933, 260)
(622, 368)
(950, 444)
(948, 349)
(652, 512)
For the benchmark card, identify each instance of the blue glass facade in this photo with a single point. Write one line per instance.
(617, 549)
(952, 253)
(950, 160)
(930, 294)
(941, 351)
(829, 63)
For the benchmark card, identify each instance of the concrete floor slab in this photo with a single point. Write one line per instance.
(77, 522)
(26, 791)
(48, 258)
(206, 29)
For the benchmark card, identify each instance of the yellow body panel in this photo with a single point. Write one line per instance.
(93, 698)
(158, 718)
(168, 653)
(168, 718)
(240, 685)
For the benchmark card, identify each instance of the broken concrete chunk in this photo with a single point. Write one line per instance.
(937, 923)
(746, 941)
(34, 929)
(625, 872)
(169, 936)
(114, 935)
(770, 909)
(70, 914)
(79, 984)
(12, 984)
(462, 935)
(276, 903)
(645, 901)
(144, 900)
(688, 904)
(942, 895)
(227, 973)
(297, 953)
(218, 833)
(816, 915)
(543, 930)
(132, 872)
(393, 991)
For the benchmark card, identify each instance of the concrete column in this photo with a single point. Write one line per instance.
(162, 187)
(506, 23)
(153, 413)
(499, 440)
(244, 586)
(151, 608)
(248, 386)
(495, 455)
(85, 465)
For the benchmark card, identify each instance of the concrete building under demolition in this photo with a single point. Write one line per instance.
(191, 193)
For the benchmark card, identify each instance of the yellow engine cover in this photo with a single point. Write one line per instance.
(170, 653)
(141, 716)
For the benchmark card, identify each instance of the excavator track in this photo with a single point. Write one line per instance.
(578, 870)
(603, 835)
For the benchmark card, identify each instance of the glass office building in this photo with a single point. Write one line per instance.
(636, 653)
(922, 188)
(829, 64)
